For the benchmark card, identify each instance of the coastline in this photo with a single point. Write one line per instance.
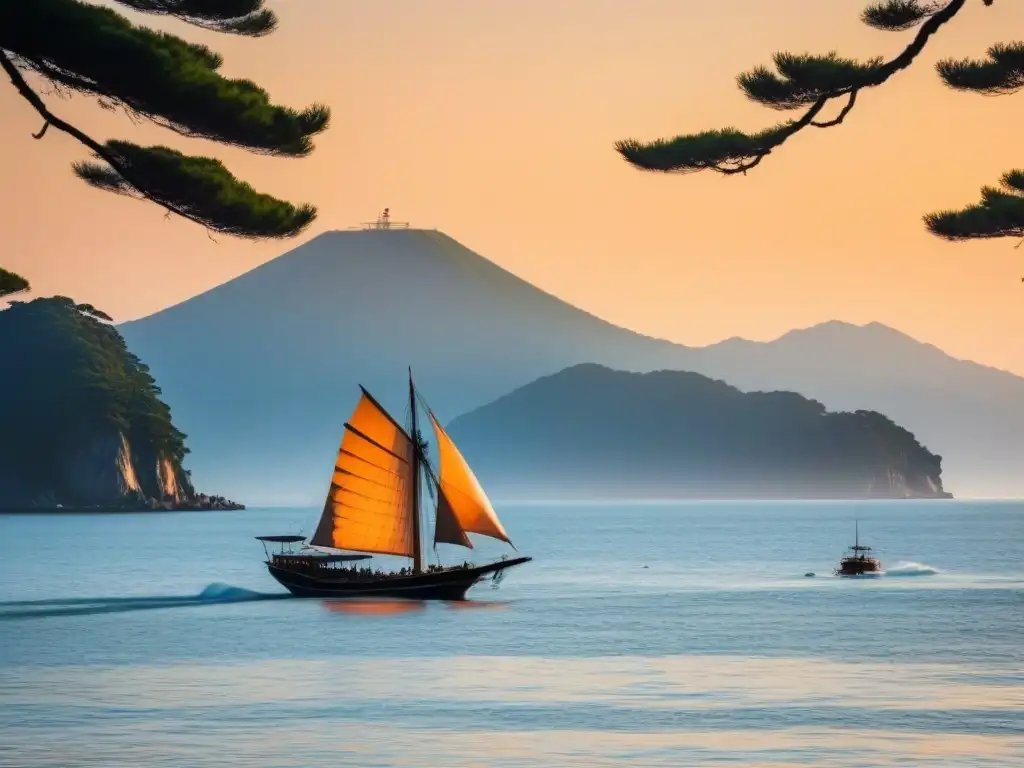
(576, 496)
(221, 504)
(101, 510)
(200, 504)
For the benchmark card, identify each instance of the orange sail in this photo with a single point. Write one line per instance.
(447, 529)
(369, 505)
(461, 500)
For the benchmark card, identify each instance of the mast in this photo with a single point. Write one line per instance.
(417, 546)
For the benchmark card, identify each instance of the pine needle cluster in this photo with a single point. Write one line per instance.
(810, 84)
(71, 46)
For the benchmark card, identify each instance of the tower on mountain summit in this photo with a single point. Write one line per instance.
(384, 222)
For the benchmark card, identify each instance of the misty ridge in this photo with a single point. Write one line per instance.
(262, 371)
(592, 432)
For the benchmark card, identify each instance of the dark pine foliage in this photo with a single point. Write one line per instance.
(72, 46)
(70, 374)
(811, 83)
(11, 283)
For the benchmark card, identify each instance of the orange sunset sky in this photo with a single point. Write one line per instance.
(494, 121)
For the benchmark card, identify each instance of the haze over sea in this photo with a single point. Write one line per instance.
(642, 634)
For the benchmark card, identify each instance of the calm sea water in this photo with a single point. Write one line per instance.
(641, 635)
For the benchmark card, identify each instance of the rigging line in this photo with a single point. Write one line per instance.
(426, 406)
(423, 401)
(429, 466)
(433, 475)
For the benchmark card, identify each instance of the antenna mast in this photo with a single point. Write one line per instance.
(383, 222)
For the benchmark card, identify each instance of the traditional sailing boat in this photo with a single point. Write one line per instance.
(373, 507)
(859, 562)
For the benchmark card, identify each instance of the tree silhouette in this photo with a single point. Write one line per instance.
(75, 377)
(77, 47)
(11, 283)
(813, 82)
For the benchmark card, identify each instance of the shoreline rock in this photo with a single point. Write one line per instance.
(200, 503)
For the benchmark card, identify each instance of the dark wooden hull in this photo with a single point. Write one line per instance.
(859, 567)
(451, 584)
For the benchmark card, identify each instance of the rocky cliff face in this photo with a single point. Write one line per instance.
(98, 469)
(903, 482)
(102, 470)
(82, 425)
(106, 470)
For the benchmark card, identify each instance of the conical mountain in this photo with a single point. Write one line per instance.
(261, 372)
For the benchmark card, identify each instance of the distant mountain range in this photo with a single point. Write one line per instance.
(591, 432)
(261, 372)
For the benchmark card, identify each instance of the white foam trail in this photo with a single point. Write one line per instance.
(225, 593)
(79, 606)
(905, 569)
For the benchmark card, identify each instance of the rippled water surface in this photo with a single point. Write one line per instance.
(641, 635)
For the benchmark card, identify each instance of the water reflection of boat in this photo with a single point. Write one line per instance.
(368, 607)
(859, 562)
(373, 507)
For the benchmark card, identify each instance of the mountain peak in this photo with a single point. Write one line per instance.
(840, 329)
(262, 371)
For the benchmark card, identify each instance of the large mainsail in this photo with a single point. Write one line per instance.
(369, 507)
(462, 505)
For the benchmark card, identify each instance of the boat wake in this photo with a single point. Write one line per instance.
(213, 594)
(905, 570)
(219, 592)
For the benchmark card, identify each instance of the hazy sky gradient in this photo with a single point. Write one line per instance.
(494, 122)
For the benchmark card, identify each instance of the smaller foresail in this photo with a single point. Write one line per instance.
(461, 500)
(447, 529)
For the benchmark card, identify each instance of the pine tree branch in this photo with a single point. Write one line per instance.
(1000, 74)
(11, 283)
(731, 151)
(850, 104)
(95, 50)
(238, 17)
(899, 15)
(198, 189)
(1000, 213)
(51, 119)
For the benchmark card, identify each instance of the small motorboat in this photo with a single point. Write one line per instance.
(859, 562)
